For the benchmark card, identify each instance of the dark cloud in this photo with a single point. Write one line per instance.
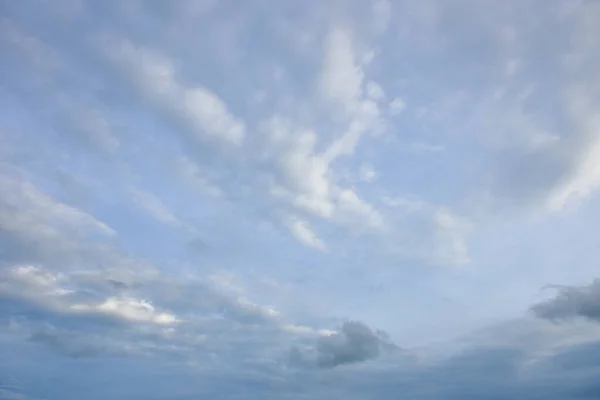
(479, 372)
(355, 342)
(117, 284)
(571, 302)
(578, 357)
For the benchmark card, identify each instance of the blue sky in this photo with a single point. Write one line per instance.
(289, 200)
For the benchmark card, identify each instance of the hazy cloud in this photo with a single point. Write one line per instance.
(571, 302)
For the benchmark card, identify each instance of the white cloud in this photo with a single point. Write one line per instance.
(58, 292)
(302, 231)
(367, 173)
(34, 283)
(364, 119)
(451, 232)
(351, 206)
(193, 174)
(42, 228)
(307, 331)
(152, 205)
(375, 91)
(155, 78)
(102, 280)
(445, 238)
(129, 309)
(397, 106)
(253, 309)
(210, 114)
(553, 170)
(341, 77)
(39, 211)
(512, 66)
(228, 282)
(382, 15)
(583, 181)
(77, 280)
(406, 204)
(306, 178)
(367, 58)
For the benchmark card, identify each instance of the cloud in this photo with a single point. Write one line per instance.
(101, 286)
(155, 78)
(306, 176)
(193, 174)
(397, 106)
(153, 206)
(37, 227)
(448, 232)
(104, 320)
(128, 309)
(88, 122)
(287, 173)
(581, 176)
(560, 169)
(341, 77)
(306, 179)
(517, 359)
(572, 302)
(375, 91)
(298, 123)
(301, 231)
(59, 293)
(451, 232)
(367, 173)
(66, 345)
(382, 15)
(355, 342)
(545, 161)
(36, 208)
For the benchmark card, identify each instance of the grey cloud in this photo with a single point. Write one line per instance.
(556, 166)
(117, 284)
(572, 301)
(500, 372)
(67, 345)
(354, 343)
(578, 357)
(105, 295)
(538, 140)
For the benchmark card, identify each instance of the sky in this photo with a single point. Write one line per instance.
(341, 199)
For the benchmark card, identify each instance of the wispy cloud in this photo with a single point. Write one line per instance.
(218, 190)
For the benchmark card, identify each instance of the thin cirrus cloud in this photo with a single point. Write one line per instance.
(342, 200)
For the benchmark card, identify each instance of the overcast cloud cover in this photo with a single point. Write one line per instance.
(299, 199)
